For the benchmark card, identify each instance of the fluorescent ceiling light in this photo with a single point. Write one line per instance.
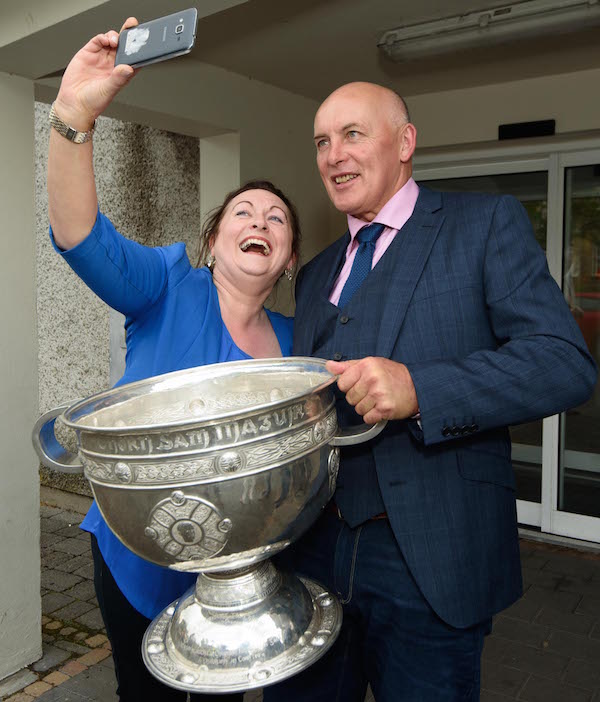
(494, 26)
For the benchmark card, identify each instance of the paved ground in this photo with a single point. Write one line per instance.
(546, 647)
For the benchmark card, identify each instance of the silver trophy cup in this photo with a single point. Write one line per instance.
(213, 470)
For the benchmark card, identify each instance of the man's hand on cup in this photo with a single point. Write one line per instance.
(91, 80)
(377, 388)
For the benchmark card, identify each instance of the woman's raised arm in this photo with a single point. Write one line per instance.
(88, 86)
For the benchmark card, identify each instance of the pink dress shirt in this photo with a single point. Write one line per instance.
(394, 214)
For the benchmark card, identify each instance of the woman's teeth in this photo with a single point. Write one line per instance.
(259, 244)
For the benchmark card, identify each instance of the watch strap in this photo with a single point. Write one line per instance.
(68, 132)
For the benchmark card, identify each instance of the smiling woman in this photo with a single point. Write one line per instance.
(257, 204)
(177, 317)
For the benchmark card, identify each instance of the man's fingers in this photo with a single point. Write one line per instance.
(365, 405)
(349, 378)
(373, 416)
(338, 367)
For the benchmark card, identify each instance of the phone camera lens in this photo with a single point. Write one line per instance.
(179, 29)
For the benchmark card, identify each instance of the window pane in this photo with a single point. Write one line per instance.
(579, 465)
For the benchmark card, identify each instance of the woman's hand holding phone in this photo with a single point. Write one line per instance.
(91, 80)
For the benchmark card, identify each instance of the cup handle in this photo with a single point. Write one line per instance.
(358, 434)
(50, 452)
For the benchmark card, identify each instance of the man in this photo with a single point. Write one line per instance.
(460, 331)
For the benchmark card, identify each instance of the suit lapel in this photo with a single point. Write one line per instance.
(403, 264)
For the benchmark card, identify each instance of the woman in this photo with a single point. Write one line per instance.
(176, 317)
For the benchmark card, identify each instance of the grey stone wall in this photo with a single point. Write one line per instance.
(148, 184)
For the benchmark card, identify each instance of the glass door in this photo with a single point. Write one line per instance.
(578, 480)
(557, 460)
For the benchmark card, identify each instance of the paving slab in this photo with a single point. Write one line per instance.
(53, 559)
(92, 620)
(533, 660)
(572, 565)
(49, 539)
(73, 647)
(73, 546)
(16, 682)
(74, 610)
(82, 591)
(86, 571)
(55, 600)
(583, 674)
(523, 632)
(559, 600)
(576, 647)
(51, 657)
(575, 623)
(503, 679)
(47, 511)
(74, 562)
(57, 580)
(538, 689)
(589, 605)
(524, 609)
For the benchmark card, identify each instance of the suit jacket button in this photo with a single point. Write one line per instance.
(474, 427)
(455, 431)
(446, 431)
(337, 356)
(344, 319)
(465, 429)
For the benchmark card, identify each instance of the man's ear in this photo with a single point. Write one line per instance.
(408, 142)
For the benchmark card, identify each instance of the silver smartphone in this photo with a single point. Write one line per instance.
(158, 40)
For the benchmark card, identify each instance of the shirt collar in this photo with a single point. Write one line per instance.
(394, 213)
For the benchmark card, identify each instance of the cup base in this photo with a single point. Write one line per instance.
(220, 647)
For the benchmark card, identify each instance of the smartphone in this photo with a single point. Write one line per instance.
(158, 40)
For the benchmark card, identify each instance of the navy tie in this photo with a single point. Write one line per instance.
(363, 261)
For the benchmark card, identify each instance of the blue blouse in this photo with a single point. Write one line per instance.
(173, 322)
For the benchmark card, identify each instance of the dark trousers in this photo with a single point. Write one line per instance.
(390, 638)
(125, 628)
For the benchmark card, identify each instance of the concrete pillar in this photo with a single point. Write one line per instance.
(20, 606)
(219, 170)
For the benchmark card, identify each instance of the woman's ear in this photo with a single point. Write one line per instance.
(291, 264)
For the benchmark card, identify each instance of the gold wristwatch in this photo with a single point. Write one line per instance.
(68, 132)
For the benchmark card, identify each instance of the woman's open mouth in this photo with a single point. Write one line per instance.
(255, 245)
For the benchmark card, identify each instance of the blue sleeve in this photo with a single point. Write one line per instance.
(126, 275)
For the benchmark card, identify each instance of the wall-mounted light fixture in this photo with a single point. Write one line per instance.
(494, 26)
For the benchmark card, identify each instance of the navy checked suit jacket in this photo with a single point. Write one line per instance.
(464, 298)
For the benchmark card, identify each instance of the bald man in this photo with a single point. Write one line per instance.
(440, 316)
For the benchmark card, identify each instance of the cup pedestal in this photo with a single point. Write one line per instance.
(242, 629)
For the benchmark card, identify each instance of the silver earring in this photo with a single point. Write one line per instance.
(210, 261)
(288, 274)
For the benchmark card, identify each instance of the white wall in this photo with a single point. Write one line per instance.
(20, 605)
(473, 114)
